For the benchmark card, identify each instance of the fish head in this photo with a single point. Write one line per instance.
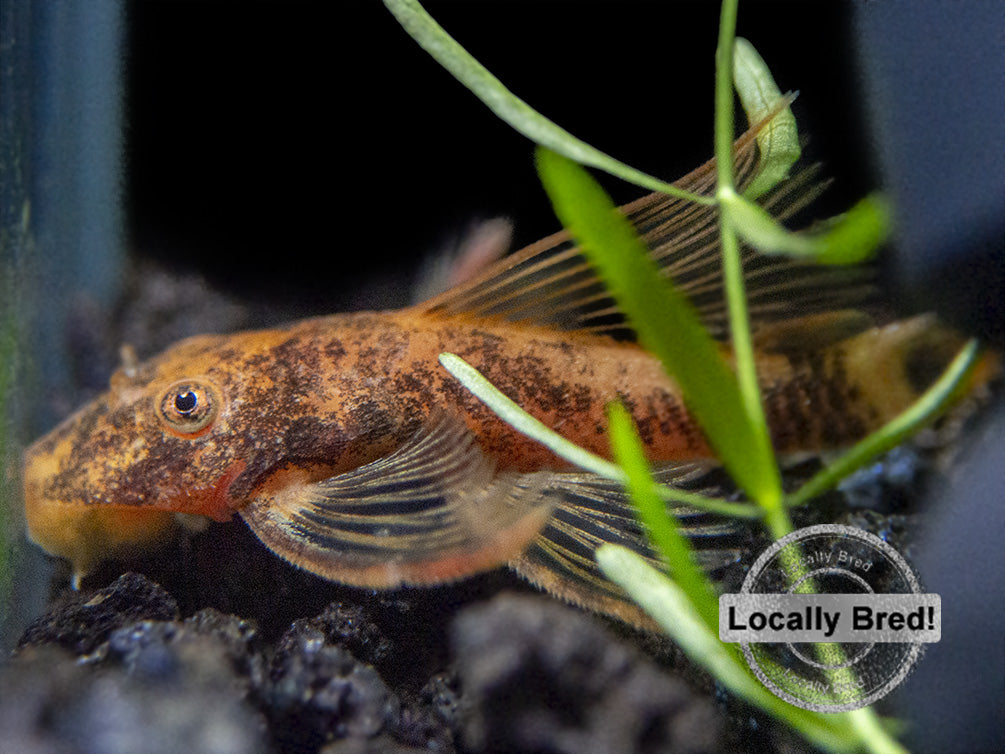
(109, 480)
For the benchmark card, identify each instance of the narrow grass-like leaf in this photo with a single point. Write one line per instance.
(664, 319)
(778, 141)
(921, 412)
(526, 424)
(662, 528)
(851, 238)
(759, 229)
(667, 603)
(507, 410)
(857, 234)
(768, 493)
(521, 116)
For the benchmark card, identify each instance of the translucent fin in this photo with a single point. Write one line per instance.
(550, 282)
(812, 332)
(590, 512)
(433, 511)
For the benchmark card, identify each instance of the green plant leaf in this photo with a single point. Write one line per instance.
(759, 229)
(850, 238)
(857, 234)
(887, 437)
(778, 141)
(664, 319)
(668, 604)
(526, 424)
(510, 108)
(661, 527)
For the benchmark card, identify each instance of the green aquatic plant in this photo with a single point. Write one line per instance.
(726, 400)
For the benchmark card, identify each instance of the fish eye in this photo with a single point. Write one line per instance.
(188, 407)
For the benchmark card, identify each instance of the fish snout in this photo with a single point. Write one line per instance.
(85, 531)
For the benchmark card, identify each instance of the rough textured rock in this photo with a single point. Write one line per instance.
(97, 675)
(317, 691)
(84, 620)
(350, 627)
(168, 703)
(102, 675)
(540, 677)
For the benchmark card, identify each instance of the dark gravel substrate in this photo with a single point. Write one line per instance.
(116, 669)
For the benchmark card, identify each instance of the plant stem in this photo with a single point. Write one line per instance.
(871, 732)
(724, 94)
(770, 495)
(896, 430)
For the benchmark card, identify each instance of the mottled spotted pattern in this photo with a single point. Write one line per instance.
(327, 395)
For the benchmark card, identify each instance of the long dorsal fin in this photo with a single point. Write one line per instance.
(551, 283)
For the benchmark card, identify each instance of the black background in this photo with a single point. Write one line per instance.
(290, 151)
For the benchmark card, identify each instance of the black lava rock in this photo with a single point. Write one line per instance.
(351, 627)
(206, 642)
(85, 620)
(541, 677)
(50, 703)
(318, 692)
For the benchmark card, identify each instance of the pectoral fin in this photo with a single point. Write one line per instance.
(433, 511)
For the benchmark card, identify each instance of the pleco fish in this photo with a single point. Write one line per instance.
(350, 452)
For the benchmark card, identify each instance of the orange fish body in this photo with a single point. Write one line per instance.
(328, 395)
(352, 453)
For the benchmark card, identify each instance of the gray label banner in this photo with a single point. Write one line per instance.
(850, 618)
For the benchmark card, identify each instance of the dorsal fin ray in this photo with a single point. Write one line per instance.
(551, 283)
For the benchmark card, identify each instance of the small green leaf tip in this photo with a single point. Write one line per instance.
(778, 141)
(857, 234)
(847, 239)
(759, 229)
